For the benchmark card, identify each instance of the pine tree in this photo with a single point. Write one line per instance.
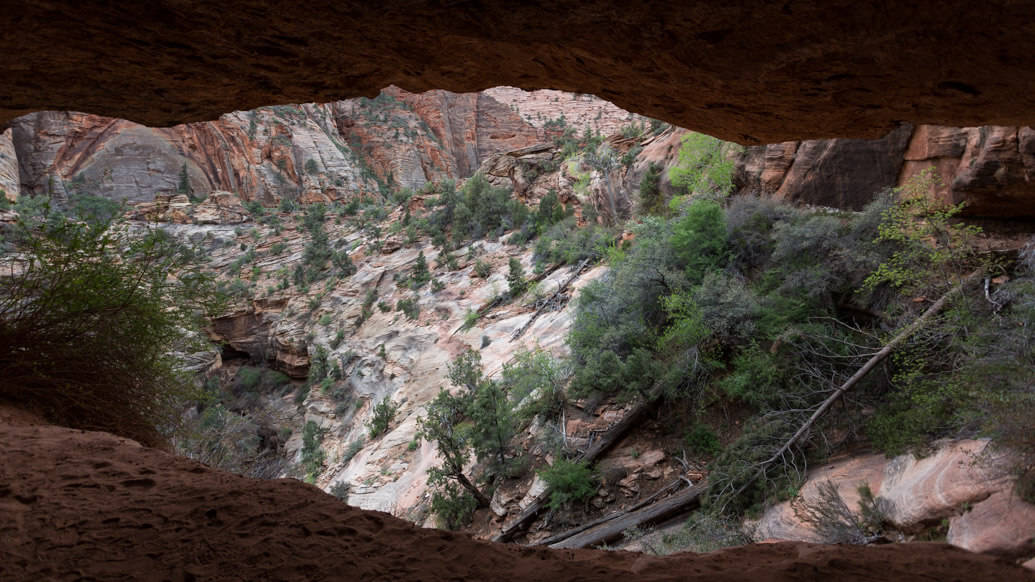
(421, 275)
(516, 278)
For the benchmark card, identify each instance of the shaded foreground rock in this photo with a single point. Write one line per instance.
(77, 504)
(744, 71)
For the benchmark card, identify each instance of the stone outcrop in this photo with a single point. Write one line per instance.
(991, 169)
(965, 483)
(739, 70)
(8, 167)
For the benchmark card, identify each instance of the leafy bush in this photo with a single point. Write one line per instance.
(89, 320)
(482, 269)
(354, 447)
(341, 489)
(313, 456)
(704, 166)
(702, 440)
(570, 482)
(516, 278)
(409, 306)
(652, 201)
(453, 506)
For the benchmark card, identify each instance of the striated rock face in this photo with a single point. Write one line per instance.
(964, 482)
(990, 169)
(580, 111)
(738, 70)
(313, 153)
(119, 511)
(840, 173)
(8, 167)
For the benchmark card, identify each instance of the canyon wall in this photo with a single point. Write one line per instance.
(989, 169)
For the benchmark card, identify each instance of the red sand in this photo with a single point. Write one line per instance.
(78, 505)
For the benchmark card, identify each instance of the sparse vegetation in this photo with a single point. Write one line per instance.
(384, 413)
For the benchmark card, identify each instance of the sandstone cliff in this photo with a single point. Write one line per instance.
(989, 169)
(309, 152)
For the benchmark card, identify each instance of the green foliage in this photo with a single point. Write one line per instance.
(699, 238)
(384, 413)
(352, 450)
(569, 482)
(90, 318)
(535, 384)
(565, 243)
(286, 205)
(341, 489)
(482, 269)
(702, 440)
(704, 165)
(911, 226)
(313, 456)
(255, 208)
(311, 168)
(516, 278)
(420, 275)
(453, 506)
(652, 201)
(409, 306)
(478, 211)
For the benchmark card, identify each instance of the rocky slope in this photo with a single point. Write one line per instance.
(78, 504)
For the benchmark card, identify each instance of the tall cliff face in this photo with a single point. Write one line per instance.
(8, 166)
(990, 169)
(309, 152)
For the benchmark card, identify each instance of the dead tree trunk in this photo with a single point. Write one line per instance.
(613, 528)
(521, 330)
(896, 341)
(595, 450)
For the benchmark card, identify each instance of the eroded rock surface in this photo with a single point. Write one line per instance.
(965, 482)
(743, 71)
(77, 504)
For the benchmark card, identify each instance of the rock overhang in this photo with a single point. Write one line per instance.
(740, 70)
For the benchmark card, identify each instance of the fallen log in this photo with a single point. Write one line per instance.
(861, 373)
(613, 528)
(567, 534)
(578, 271)
(595, 450)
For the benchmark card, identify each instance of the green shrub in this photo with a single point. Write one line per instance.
(354, 447)
(384, 413)
(313, 456)
(90, 320)
(341, 489)
(570, 482)
(482, 269)
(420, 275)
(453, 506)
(516, 278)
(248, 378)
(702, 440)
(410, 307)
